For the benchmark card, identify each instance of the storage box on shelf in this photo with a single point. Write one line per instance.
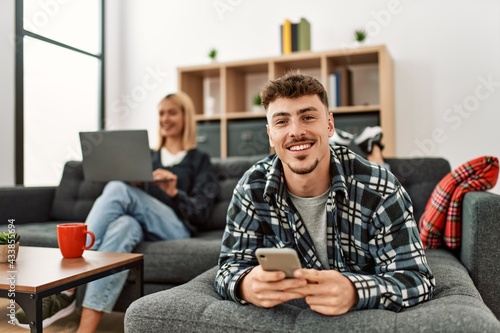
(359, 82)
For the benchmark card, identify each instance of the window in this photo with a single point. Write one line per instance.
(60, 84)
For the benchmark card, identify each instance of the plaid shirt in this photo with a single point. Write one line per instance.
(371, 232)
(441, 223)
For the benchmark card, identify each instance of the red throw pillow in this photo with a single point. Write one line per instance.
(441, 221)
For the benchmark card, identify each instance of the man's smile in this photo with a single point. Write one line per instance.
(300, 147)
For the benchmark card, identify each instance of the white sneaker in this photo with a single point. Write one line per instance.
(369, 137)
(341, 138)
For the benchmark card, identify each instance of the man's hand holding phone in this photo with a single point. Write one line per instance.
(327, 291)
(267, 285)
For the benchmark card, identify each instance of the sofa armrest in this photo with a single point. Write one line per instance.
(480, 252)
(26, 204)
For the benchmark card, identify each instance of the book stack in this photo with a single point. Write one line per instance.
(295, 36)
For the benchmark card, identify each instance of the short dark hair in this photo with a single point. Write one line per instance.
(293, 85)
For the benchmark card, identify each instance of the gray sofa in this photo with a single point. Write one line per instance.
(465, 299)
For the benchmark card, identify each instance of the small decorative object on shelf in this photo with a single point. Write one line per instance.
(9, 246)
(360, 36)
(212, 54)
(257, 104)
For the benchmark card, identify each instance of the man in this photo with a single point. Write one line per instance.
(350, 220)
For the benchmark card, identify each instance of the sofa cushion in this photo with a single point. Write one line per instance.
(228, 172)
(15, 200)
(43, 234)
(419, 176)
(195, 307)
(74, 196)
(178, 261)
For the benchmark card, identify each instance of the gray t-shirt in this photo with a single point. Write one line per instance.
(313, 213)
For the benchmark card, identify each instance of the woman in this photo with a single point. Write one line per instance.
(173, 207)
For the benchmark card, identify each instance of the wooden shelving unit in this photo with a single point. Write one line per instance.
(222, 94)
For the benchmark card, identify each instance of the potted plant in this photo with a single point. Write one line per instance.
(212, 54)
(9, 246)
(256, 103)
(360, 36)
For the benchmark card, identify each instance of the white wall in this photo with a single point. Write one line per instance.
(7, 92)
(444, 52)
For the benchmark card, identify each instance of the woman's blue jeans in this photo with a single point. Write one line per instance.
(121, 218)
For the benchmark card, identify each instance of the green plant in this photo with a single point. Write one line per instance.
(6, 237)
(360, 35)
(257, 100)
(212, 54)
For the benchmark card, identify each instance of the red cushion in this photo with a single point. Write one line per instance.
(442, 218)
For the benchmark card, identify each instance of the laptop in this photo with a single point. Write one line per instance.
(116, 155)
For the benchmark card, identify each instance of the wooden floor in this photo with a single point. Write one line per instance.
(111, 323)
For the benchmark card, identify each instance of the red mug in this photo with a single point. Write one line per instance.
(72, 239)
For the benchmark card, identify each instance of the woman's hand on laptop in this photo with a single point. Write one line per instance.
(167, 181)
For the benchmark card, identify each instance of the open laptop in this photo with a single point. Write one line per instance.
(116, 155)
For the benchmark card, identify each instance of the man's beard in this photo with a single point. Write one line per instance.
(305, 170)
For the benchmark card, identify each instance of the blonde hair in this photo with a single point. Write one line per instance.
(184, 102)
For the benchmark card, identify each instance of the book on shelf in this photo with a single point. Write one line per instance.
(339, 87)
(286, 37)
(344, 85)
(304, 35)
(295, 36)
(333, 90)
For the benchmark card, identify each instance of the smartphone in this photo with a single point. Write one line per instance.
(278, 259)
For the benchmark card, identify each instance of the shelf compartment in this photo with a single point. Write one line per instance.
(242, 83)
(193, 82)
(353, 85)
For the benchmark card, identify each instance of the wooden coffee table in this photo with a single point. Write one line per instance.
(40, 272)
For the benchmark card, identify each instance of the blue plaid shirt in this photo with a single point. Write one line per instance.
(372, 235)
